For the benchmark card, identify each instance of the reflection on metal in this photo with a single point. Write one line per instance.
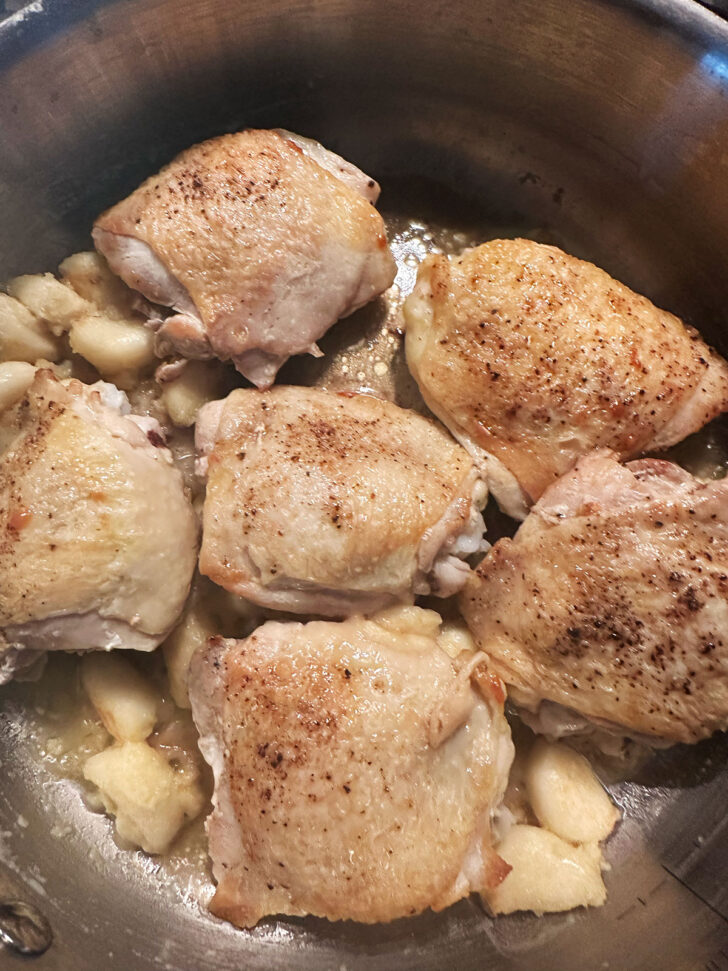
(715, 63)
(24, 929)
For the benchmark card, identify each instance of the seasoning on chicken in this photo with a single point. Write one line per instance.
(356, 768)
(332, 504)
(259, 241)
(532, 358)
(612, 600)
(97, 538)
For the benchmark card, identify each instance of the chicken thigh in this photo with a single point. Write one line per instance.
(532, 358)
(97, 538)
(356, 768)
(259, 240)
(332, 504)
(612, 600)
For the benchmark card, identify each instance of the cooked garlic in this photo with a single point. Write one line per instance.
(50, 300)
(548, 873)
(150, 800)
(125, 701)
(566, 796)
(22, 336)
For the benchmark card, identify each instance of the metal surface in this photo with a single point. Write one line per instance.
(604, 123)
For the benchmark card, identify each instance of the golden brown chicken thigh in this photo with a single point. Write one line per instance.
(612, 600)
(356, 768)
(260, 240)
(97, 538)
(332, 504)
(532, 358)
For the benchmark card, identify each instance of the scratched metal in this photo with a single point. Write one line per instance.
(600, 125)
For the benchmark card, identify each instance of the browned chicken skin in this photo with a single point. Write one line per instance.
(98, 540)
(332, 504)
(532, 358)
(612, 600)
(356, 768)
(261, 240)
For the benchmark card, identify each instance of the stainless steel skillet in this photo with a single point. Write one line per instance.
(602, 123)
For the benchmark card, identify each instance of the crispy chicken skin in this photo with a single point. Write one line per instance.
(356, 769)
(612, 599)
(97, 538)
(532, 358)
(332, 504)
(260, 240)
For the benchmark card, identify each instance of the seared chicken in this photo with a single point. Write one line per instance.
(612, 600)
(532, 358)
(356, 768)
(332, 504)
(98, 540)
(260, 241)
